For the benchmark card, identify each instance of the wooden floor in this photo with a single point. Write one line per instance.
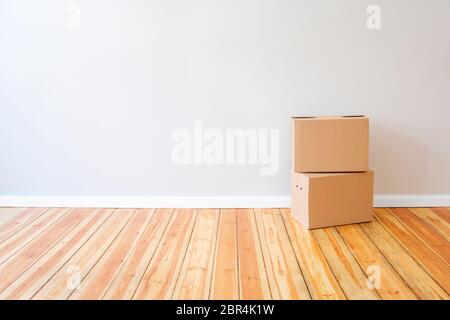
(220, 254)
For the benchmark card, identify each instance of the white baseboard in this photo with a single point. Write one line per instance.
(412, 200)
(203, 202)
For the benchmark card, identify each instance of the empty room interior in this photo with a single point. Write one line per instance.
(224, 150)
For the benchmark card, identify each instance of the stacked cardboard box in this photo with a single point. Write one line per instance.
(331, 181)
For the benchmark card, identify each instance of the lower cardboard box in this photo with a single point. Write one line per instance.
(329, 199)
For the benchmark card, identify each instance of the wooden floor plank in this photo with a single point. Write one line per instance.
(97, 281)
(319, 277)
(125, 283)
(63, 282)
(411, 272)
(225, 281)
(284, 274)
(425, 232)
(346, 269)
(443, 213)
(19, 263)
(15, 242)
(161, 275)
(63, 253)
(384, 279)
(427, 215)
(195, 277)
(8, 214)
(436, 267)
(44, 268)
(252, 271)
(19, 221)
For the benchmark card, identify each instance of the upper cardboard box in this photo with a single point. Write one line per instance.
(331, 144)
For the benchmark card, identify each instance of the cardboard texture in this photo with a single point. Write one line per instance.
(331, 144)
(329, 199)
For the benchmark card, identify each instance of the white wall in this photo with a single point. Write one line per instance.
(90, 112)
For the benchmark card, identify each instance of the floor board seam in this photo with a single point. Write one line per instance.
(153, 255)
(68, 210)
(357, 262)
(390, 264)
(26, 224)
(76, 251)
(414, 258)
(215, 254)
(103, 253)
(43, 253)
(417, 236)
(129, 255)
(295, 255)
(196, 211)
(262, 255)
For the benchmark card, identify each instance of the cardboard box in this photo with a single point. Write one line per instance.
(330, 199)
(331, 144)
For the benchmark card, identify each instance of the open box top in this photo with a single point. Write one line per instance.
(327, 117)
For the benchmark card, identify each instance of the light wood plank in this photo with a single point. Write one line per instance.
(126, 282)
(424, 232)
(235, 254)
(391, 286)
(346, 269)
(161, 275)
(411, 272)
(252, 271)
(427, 215)
(225, 281)
(20, 221)
(195, 277)
(285, 277)
(62, 283)
(15, 266)
(443, 213)
(7, 214)
(14, 243)
(436, 267)
(44, 268)
(319, 277)
(97, 281)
